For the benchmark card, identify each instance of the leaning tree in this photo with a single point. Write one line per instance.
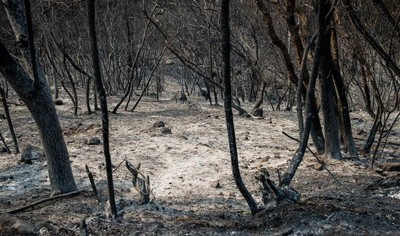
(35, 93)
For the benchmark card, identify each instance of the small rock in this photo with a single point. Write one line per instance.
(3, 149)
(159, 124)
(153, 95)
(93, 141)
(59, 102)
(258, 112)
(30, 153)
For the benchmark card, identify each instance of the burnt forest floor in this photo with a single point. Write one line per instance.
(193, 192)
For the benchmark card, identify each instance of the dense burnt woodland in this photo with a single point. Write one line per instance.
(327, 71)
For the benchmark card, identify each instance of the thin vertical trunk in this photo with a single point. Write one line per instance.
(87, 91)
(341, 96)
(131, 65)
(95, 102)
(261, 98)
(366, 92)
(210, 58)
(226, 51)
(208, 92)
(215, 96)
(74, 95)
(103, 103)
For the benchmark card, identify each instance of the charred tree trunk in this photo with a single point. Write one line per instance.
(366, 92)
(103, 103)
(36, 95)
(226, 51)
(74, 95)
(87, 91)
(332, 141)
(215, 96)
(41, 106)
(341, 96)
(261, 98)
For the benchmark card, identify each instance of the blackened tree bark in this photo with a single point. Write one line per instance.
(87, 92)
(332, 141)
(226, 51)
(341, 95)
(366, 92)
(103, 103)
(37, 98)
(261, 98)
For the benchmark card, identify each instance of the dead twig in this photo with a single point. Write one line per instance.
(116, 168)
(92, 184)
(65, 195)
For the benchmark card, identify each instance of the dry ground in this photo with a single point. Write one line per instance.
(189, 169)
